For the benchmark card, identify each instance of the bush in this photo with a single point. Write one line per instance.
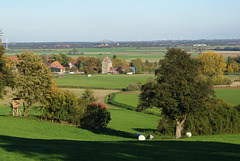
(133, 87)
(62, 106)
(223, 81)
(96, 116)
(166, 126)
(219, 118)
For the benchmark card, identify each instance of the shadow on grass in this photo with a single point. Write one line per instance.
(38, 149)
(145, 130)
(113, 132)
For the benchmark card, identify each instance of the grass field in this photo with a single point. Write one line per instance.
(102, 81)
(228, 95)
(129, 53)
(31, 139)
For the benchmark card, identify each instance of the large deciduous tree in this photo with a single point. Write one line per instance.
(33, 80)
(178, 90)
(213, 66)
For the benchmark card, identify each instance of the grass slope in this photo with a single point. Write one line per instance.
(228, 95)
(27, 139)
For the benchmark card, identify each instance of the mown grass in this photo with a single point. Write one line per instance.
(102, 81)
(231, 96)
(32, 139)
(132, 100)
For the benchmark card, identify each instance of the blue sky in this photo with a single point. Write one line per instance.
(118, 20)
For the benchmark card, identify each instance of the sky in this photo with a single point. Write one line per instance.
(118, 20)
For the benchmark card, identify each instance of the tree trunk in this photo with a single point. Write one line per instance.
(179, 127)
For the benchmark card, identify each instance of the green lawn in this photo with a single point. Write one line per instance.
(132, 100)
(31, 139)
(102, 81)
(228, 95)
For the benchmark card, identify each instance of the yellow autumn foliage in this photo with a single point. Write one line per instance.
(213, 65)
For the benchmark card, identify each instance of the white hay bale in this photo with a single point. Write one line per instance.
(149, 137)
(141, 136)
(188, 134)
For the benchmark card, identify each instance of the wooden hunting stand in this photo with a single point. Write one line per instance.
(16, 107)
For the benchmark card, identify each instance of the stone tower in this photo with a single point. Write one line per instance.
(106, 65)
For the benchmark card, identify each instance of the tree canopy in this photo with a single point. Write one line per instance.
(5, 71)
(213, 65)
(33, 80)
(178, 89)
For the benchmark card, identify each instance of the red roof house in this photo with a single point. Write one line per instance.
(57, 67)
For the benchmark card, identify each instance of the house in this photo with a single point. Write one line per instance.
(106, 65)
(56, 67)
(72, 63)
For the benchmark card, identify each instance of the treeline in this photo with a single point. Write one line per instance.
(94, 65)
(228, 49)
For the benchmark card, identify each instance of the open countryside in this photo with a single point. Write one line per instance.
(125, 124)
(119, 80)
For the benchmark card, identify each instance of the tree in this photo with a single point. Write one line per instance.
(33, 80)
(137, 64)
(119, 62)
(6, 74)
(178, 89)
(74, 51)
(233, 67)
(61, 58)
(213, 66)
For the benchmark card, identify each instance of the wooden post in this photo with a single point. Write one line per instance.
(16, 107)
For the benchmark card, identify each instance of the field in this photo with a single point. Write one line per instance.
(102, 81)
(32, 139)
(129, 53)
(228, 95)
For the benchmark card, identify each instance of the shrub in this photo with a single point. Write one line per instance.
(221, 118)
(218, 118)
(223, 81)
(62, 106)
(166, 126)
(96, 116)
(133, 87)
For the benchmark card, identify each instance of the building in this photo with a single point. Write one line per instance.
(56, 67)
(106, 65)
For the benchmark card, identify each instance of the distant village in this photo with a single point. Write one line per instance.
(62, 64)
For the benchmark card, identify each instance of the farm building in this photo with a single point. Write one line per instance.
(106, 65)
(57, 67)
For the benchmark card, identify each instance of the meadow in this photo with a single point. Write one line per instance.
(231, 96)
(32, 139)
(128, 53)
(101, 81)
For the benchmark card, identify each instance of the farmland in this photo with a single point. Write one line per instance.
(128, 53)
(32, 139)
